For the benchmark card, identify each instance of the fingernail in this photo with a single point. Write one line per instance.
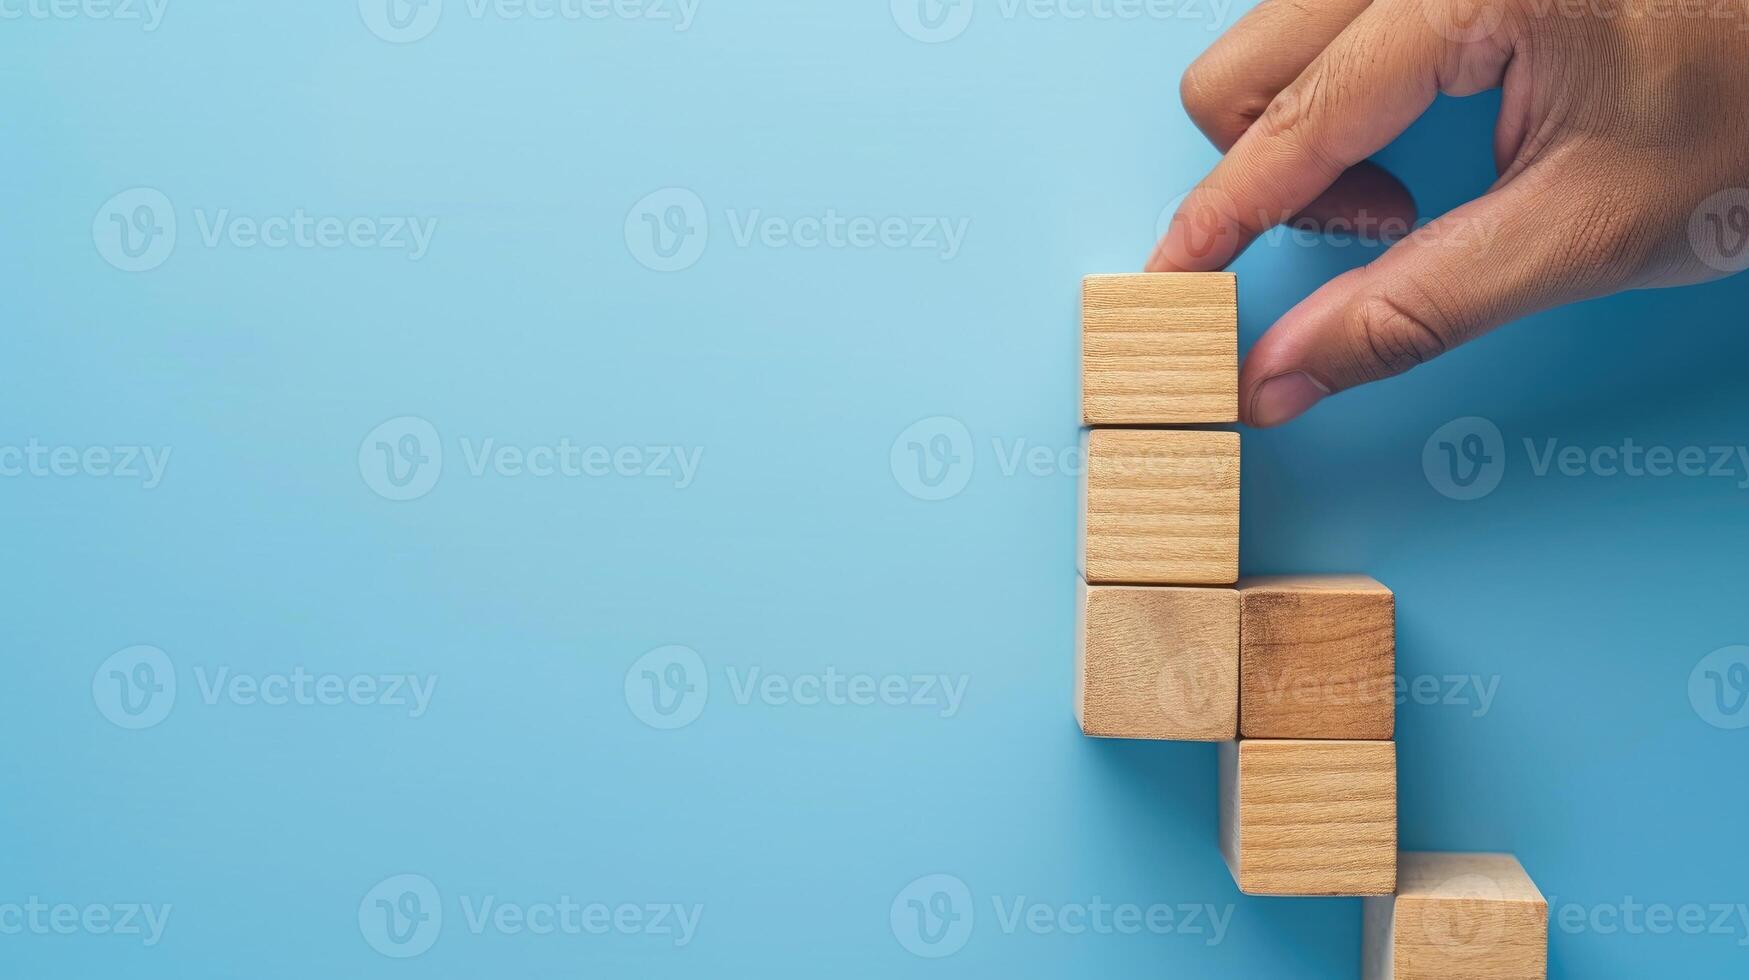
(1283, 397)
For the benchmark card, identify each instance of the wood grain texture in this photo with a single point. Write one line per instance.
(1317, 657)
(1159, 348)
(1310, 817)
(1457, 917)
(1157, 662)
(1160, 507)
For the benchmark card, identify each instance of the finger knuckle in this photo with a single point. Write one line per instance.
(1392, 335)
(1292, 118)
(1194, 89)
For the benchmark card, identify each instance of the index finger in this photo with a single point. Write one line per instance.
(1378, 76)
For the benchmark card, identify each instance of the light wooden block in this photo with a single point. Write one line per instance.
(1157, 662)
(1457, 917)
(1310, 817)
(1317, 657)
(1160, 507)
(1159, 348)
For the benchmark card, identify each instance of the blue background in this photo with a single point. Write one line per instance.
(1591, 599)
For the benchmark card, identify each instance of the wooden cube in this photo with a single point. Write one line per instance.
(1469, 916)
(1159, 348)
(1160, 507)
(1157, 662)
(1317, 657)
(1310, 817)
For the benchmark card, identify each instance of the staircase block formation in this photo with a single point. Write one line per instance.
(1471, 916)
(1293, 676)
(1318, 657)
(1310, 817)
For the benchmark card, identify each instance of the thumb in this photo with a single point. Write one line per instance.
(1510, 253)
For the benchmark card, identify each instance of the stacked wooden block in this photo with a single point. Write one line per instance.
(1293, 675)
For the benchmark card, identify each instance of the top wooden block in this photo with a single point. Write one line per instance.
(1159, 348)
(1475, 916)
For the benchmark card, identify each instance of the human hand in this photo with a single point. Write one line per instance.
(1618, 148)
